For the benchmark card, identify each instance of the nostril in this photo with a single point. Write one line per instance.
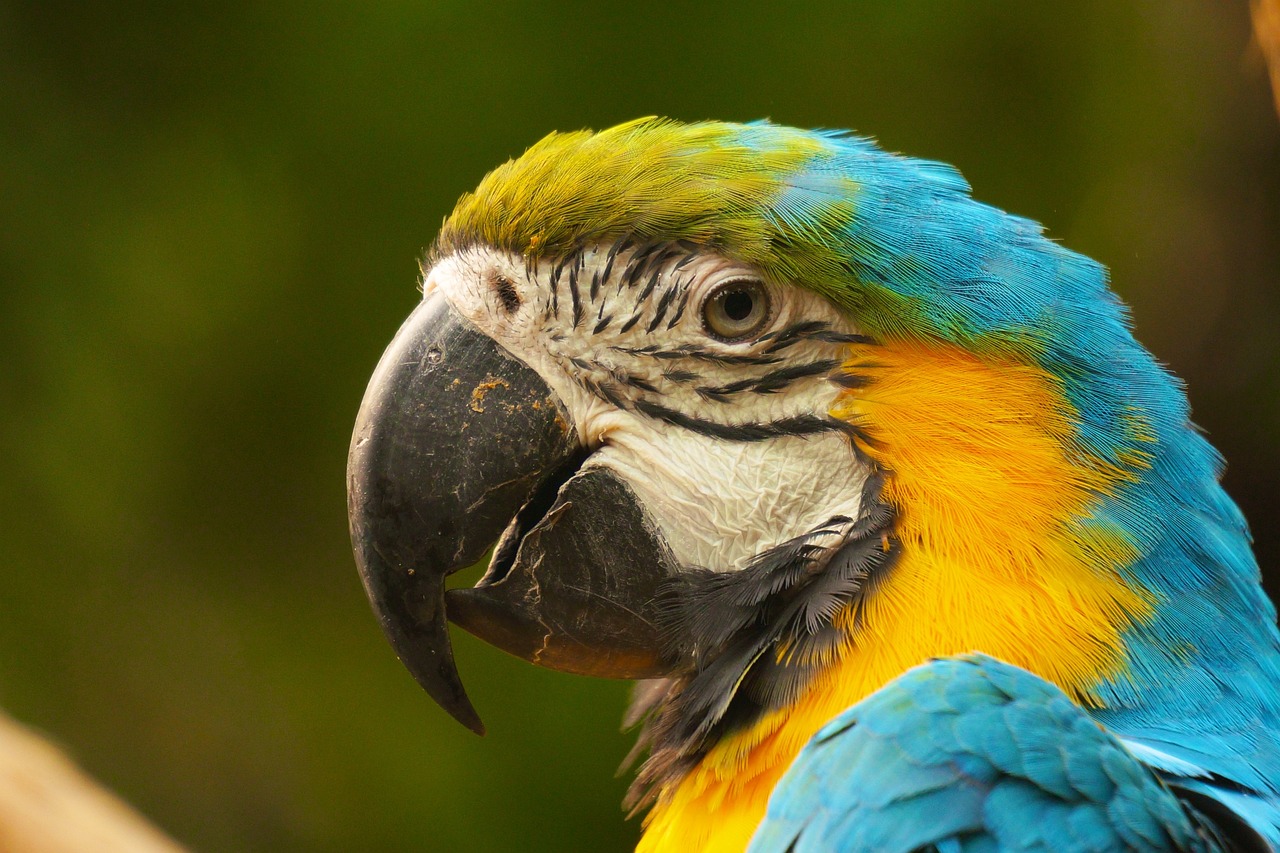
(507, 294)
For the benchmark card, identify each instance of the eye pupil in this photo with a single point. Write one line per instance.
(738, 305)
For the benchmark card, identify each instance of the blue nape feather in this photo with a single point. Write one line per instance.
(1202, 683)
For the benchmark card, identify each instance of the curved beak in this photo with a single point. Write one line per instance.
(457, 445)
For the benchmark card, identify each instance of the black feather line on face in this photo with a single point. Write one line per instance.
(691, 253)
(635, 382)
(770, 383)
(696, 353)
(751, 641)
(684, 303)
(636, 264)
(850, 380)
(660, 312)
(644, 294)
(751, 431)
(606, 391)
(809, 330)
(617, 247)
(602, 322)
(794, 332)
(554, 284)
(573, 293)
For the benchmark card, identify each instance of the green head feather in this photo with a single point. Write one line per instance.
(653, 180)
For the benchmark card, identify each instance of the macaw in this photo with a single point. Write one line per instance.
(908, 543)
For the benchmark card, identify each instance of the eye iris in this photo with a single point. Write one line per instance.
(736, 311)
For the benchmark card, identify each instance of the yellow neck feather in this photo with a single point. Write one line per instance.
(999, 555)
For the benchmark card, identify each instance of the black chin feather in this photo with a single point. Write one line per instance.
(753, 639)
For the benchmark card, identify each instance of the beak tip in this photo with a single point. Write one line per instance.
(445, 689)
(410, 610)
(461, 709)
(458, 706)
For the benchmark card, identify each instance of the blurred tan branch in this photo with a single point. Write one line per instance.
(48, 805)
(1266, 27)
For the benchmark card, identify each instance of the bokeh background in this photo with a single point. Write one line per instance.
(210, 219)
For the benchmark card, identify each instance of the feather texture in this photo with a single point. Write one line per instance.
(1054, 504)
(973, 754)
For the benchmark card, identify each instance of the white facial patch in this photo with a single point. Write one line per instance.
(727, 444)
(720, 504)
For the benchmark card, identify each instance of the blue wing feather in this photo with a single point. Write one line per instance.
(970, 754)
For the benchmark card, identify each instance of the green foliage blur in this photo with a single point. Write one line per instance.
(210, 220)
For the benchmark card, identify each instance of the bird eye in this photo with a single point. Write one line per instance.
(736, 309)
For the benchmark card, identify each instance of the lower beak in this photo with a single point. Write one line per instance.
(458, 443)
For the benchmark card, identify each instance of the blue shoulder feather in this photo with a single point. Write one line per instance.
(970, 753)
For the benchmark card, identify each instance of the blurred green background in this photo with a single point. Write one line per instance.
(210, 218)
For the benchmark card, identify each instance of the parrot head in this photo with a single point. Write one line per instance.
(599, 381)
(765, 417)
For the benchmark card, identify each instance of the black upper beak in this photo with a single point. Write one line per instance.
(456, 441)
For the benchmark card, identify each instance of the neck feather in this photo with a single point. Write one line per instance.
(1004, 548)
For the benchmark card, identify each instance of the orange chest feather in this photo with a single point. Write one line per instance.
(1000, 554)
